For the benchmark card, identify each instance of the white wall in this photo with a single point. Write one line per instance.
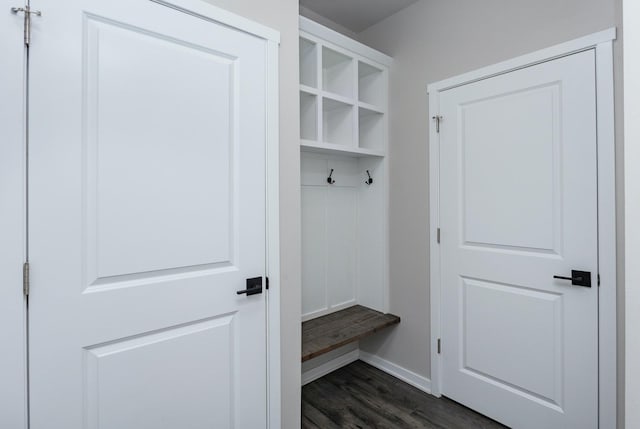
(632, 191)
(429, 41)
(282, 15)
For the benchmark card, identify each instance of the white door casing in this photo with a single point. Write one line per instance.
(148, 138)
(13, 374)
(632, 212)
(508, 234)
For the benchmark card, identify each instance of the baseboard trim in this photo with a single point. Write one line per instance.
(332, 365)
(410, 377)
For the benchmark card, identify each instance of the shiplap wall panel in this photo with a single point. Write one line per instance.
(343, 234)
(372, 250)
(314, 249)
(341, 251)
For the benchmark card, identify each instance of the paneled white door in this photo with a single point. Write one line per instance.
(147, 214)
(518, 206)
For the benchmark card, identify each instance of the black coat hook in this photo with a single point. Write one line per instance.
(329, 179)
(369, 181)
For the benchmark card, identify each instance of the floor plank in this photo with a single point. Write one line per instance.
(361, 396)
(326, 333)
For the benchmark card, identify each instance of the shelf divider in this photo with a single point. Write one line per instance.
(329, 148)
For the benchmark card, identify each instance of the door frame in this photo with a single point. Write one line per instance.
(631, 11)
(602, 44)
(13, 363)
(13, 359)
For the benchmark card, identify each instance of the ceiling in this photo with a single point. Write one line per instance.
(355, 15)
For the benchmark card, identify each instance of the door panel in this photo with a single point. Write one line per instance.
(142, 157)
(148, 214)
(518, 206)
(486, 307)
(119, 373)
(523, 149)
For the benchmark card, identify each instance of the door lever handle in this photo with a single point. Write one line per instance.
(254, 287)
(578, 278)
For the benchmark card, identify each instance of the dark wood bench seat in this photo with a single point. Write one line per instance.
(326, 333)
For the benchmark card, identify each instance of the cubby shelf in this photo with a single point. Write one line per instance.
(342, 100)
(371, 84)
(308, 116)
(308, 62)
(337, 124)
(371, 129)
(337, 72)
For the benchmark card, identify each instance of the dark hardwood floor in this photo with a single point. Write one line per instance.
(361, 396)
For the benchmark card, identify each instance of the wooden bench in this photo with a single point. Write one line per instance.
(326, 333)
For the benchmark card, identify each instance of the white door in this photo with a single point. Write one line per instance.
(518, 207)
(147, 214)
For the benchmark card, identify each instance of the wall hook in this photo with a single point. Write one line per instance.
(329, 179)
(369, 181)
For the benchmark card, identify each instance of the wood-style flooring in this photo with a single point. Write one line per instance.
(326, 333)
(361, 396)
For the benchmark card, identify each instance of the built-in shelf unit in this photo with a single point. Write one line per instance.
(343, 140)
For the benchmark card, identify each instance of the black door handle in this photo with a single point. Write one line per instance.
(254, 287)
(578, 278)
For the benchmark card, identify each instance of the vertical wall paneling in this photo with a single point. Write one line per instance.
(314, 249)
(341, 250)
(372, 255)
